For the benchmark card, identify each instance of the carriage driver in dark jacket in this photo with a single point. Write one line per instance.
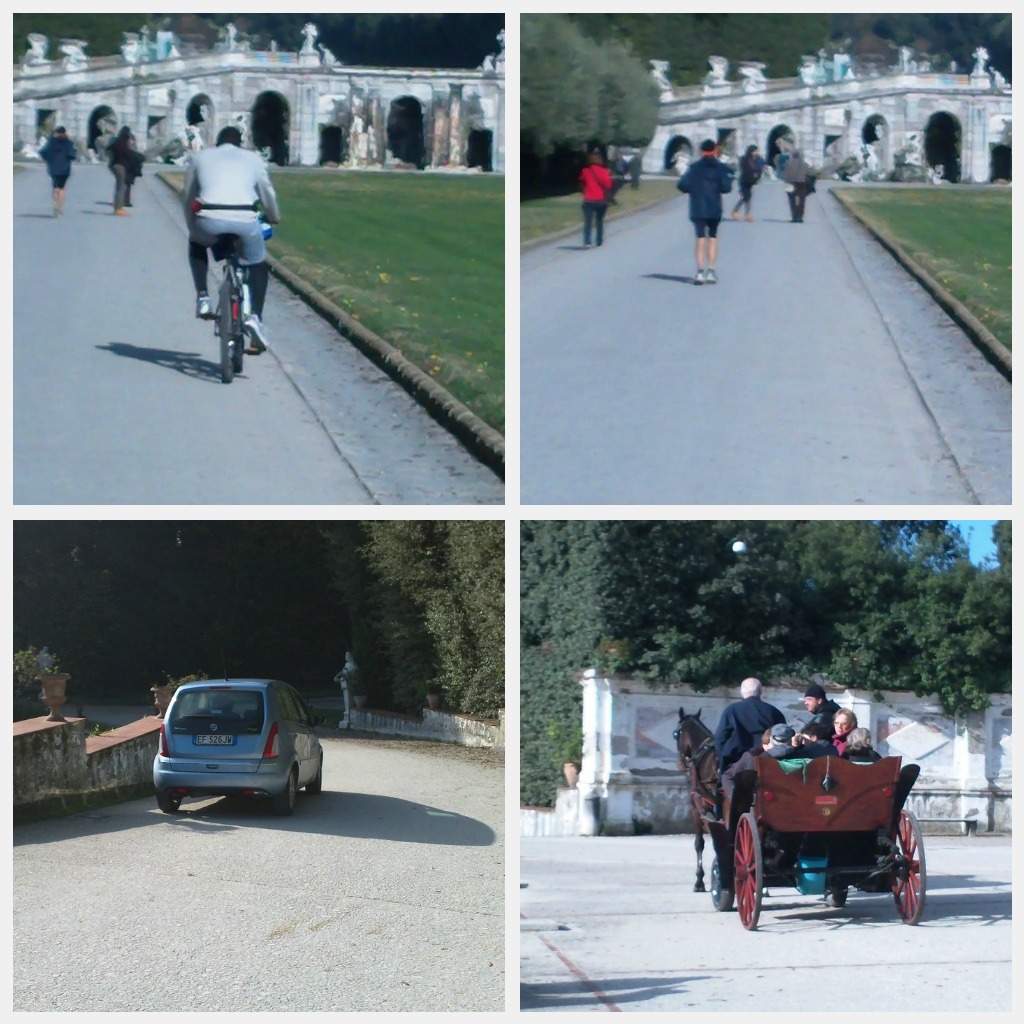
(821, 707)
(743, 724)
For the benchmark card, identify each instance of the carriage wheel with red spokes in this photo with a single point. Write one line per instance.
(749, 881)
(909, 878)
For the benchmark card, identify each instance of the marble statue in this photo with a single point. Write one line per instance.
(719, 69)
(936, 173)
(753, 77)
(499, 61)
(980, 56)
(44, 660)
(659, 72)
(812, 71)
(997, 80)
(74, 54)
(130, 48)
(37, 46)
(487, 64)
(230, 43)
(310, 33)
(680, 162)
(327, 57)
(906, 64)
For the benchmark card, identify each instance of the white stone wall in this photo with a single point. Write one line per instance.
(315, 95)
(629, 774)
(906, 102)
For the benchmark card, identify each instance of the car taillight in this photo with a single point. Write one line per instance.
(270, 750)
(164, 752)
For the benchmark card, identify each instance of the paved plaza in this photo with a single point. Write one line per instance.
(817, 371)
(614, 924)
(117, 391)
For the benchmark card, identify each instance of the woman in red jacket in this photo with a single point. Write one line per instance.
(596, 185)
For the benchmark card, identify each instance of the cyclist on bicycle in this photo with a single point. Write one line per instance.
(222, 187)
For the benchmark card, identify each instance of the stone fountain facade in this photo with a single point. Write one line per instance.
(954, 126)
(324, 112)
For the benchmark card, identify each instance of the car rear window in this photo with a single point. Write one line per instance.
(198, 709)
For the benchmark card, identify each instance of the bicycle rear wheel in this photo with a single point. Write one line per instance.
(226, 328)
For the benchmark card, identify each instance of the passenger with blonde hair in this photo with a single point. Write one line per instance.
(843, 723)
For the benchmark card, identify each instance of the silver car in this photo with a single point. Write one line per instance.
(237, 737)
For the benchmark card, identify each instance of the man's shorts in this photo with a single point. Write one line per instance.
(252, 248)
(59, 180)
(704, 226)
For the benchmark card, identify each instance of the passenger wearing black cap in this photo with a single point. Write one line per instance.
(57, 154)
(821, 707)
(743, 723)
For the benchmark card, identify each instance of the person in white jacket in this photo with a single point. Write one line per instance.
(222, 189)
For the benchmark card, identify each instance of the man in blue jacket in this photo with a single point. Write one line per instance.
(743, 723)
(706, 180)
(57, 154)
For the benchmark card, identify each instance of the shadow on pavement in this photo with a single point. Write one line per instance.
(670, 277)
(567, 995)
(191, 364)
(355, 815)
(574, 248)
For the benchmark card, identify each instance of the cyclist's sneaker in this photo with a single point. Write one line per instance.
(204, 308)
(710, 277)
(257, 333)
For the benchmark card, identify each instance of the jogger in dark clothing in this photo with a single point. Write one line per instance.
(706, 180)
(58, 153)
(751, 166)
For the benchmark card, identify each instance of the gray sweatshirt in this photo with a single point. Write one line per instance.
(229, 176)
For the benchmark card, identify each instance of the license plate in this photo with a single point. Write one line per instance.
(215, 740)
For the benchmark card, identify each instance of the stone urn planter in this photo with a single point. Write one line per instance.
(359, 700)
(54, 693)
(572, 774)
(434, 700)
(161, 698)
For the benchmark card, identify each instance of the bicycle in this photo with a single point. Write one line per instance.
(233, 306)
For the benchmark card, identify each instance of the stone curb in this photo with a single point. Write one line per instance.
(533, 243)
(996, 352)
(482, 440)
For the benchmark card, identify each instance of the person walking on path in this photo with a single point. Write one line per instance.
(597, 185)
(706, 181)
(751, 167)
(798, 187)
(57, 153)
(124, 164)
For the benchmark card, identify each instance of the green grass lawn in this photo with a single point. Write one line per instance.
(960, 236)
(417, 258)
(539, 217)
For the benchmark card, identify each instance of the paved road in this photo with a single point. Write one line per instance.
(614, 924)
(385, 892)
(117, 392)
(816, 372)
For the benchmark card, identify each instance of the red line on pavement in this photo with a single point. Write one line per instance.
(584, 980)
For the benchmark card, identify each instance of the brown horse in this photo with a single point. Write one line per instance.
(697, 756)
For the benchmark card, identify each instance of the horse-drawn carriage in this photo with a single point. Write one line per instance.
(822, 825)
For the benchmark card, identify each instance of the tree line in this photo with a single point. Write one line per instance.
(125, 605)
(387, 40)
(875, 606)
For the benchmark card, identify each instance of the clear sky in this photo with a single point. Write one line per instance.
(978, 534)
